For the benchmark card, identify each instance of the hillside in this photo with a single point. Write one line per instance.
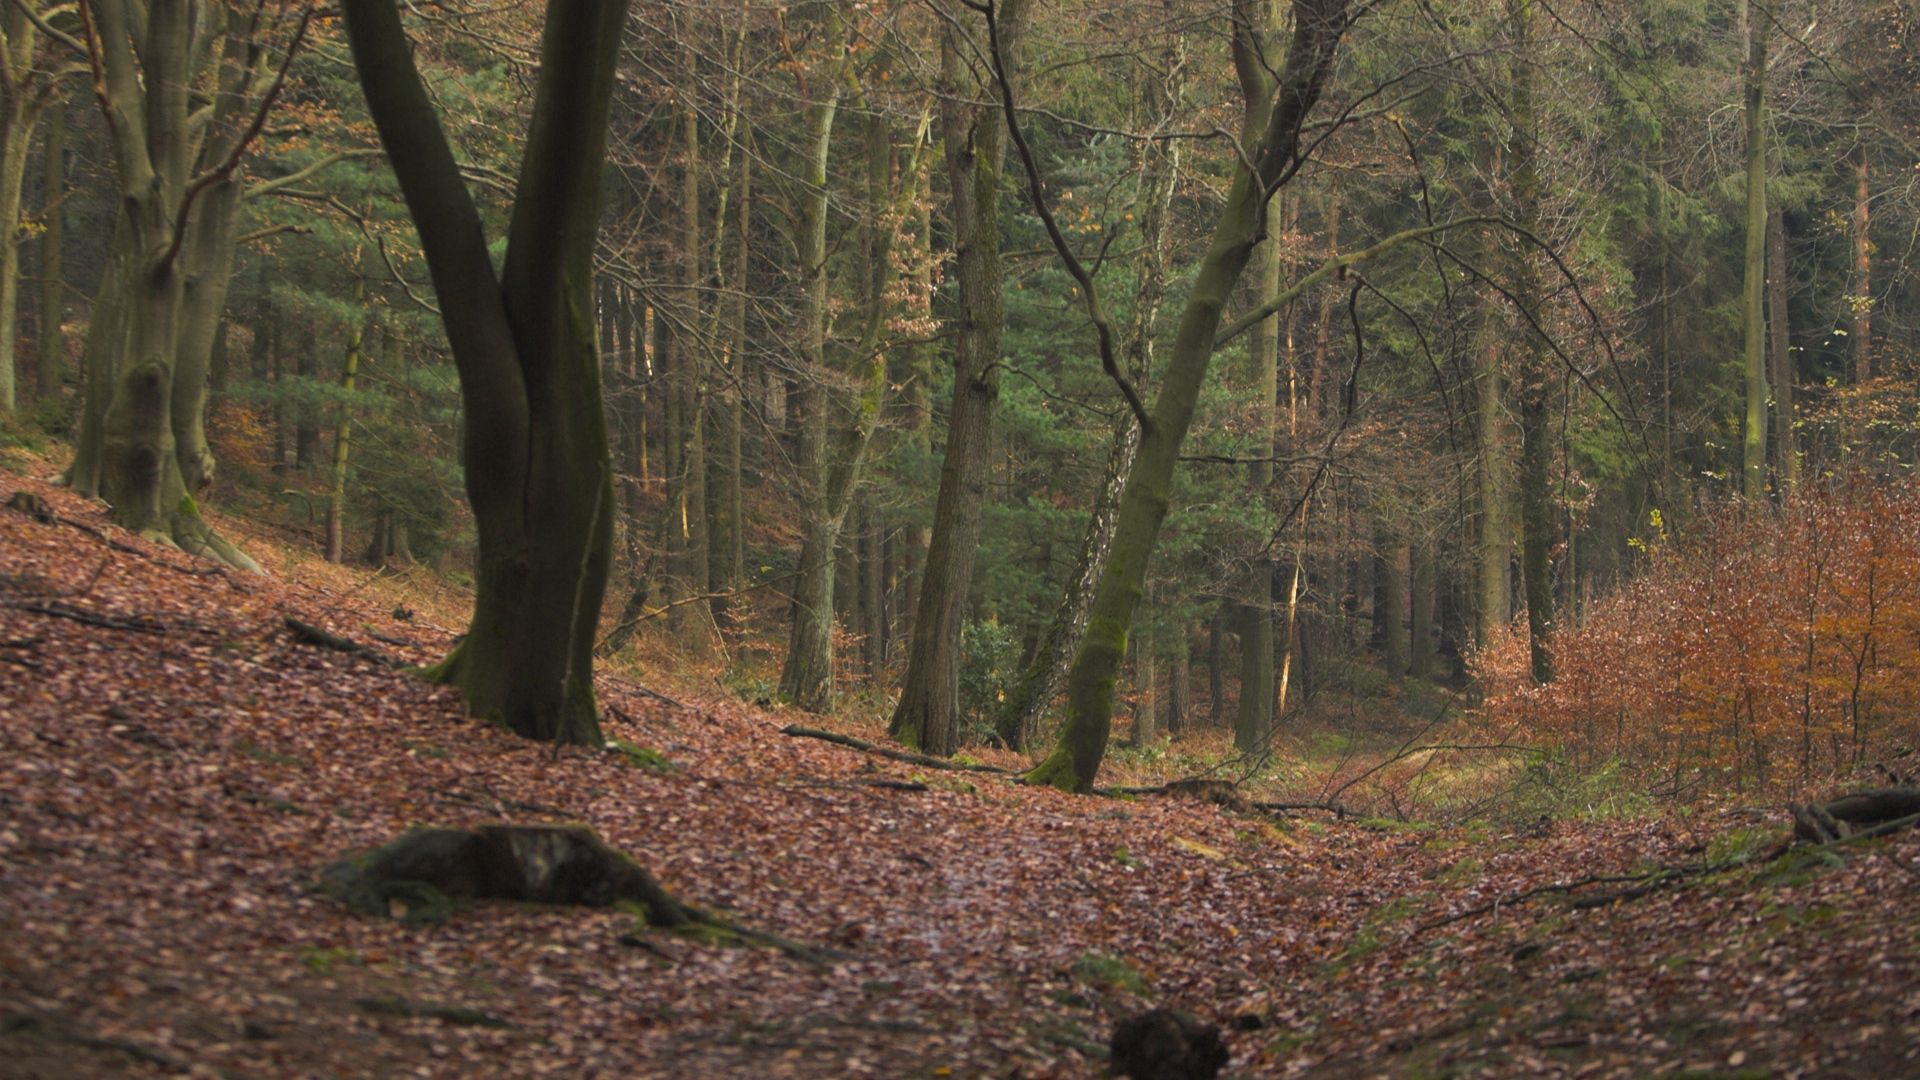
(175, 768)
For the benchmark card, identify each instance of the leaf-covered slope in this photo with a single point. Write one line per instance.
(175, 767)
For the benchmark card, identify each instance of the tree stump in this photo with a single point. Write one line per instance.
(418, 875)
(1166, 1045)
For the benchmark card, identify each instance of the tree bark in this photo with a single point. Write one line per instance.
(52, 347)
(1861, 300)
(928, 713)
(1318, 28)
(1753, 78)
(535, 442)
(1786, 443)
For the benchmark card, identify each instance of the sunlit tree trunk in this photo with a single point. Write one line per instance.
(1861, 300)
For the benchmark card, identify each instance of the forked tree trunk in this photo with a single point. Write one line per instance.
(535, 442)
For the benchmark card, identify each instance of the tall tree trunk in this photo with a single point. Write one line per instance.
(343, 431)
(928, 712)
(1534, 385)
(100, 364)
(1420, 585)
(52, 347)
(535, 439)
(1318, 28)
(1391, 619)
(806, 679)
(1253, 724)
(1161, 97)
(1753, 78)
(1178, 702)
(1786, 444)
(1495, 607)
(1146, 708)
(689, 620)
(19, 109)
(1861, 300)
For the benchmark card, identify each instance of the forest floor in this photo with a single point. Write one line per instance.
(175, 768)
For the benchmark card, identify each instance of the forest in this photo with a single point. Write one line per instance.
(925, 538)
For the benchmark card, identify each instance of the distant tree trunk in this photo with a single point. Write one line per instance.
(343, 431)
(1216, 673)
(1786, 446)
(807, 679)
(1420, 661)
(1146, 708)
(1495, 607)
(53, 301)
(689, 620)
(727, 537)
(1178, 702)
(1392, 620)
(873, 593)
(535, 440)
(1253, 725)
(1533, 388)
(1862, 299)
(1753, 78)
(927, 715)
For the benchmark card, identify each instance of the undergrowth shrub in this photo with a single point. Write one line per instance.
(1771, 649)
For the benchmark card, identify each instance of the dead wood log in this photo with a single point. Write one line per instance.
(1853, 814)
(418, 876)
(309, 634)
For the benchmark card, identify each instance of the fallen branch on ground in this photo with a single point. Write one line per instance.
(309, 634)
(866, 747)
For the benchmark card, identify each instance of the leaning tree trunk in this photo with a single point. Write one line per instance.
(1019, 720)
(1318, 27)
(535, 448)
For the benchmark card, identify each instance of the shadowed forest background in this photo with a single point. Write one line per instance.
(1464, 453)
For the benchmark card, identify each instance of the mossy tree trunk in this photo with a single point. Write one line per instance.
(534, 444)
(1161, 97)
(143, 442)
(1274, 158)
